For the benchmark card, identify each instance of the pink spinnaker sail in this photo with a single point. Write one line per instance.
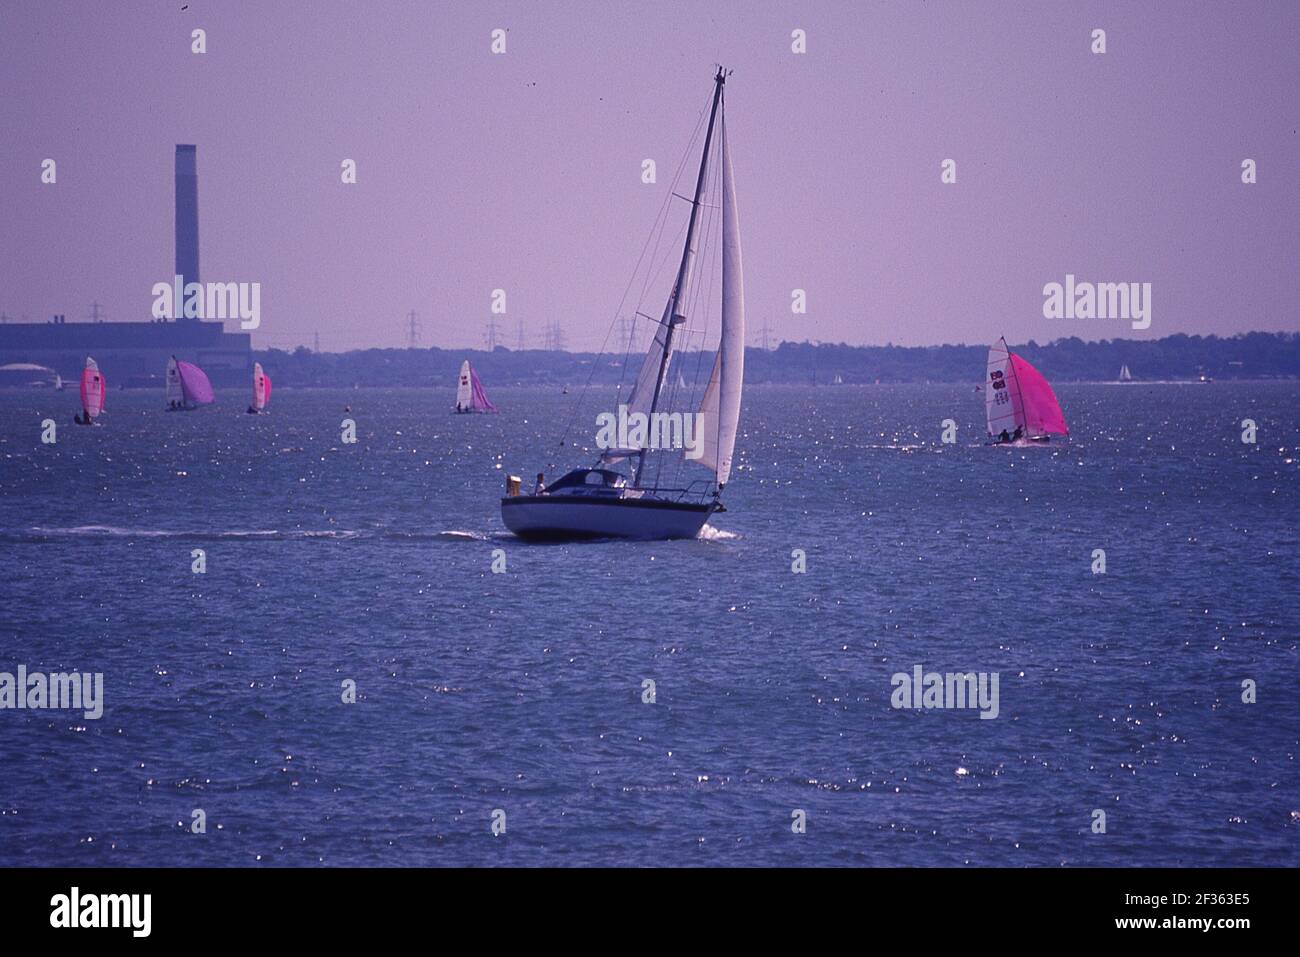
(92, 389)
(479, 400)
(194, 384)
(261, 387)
(1043, 414)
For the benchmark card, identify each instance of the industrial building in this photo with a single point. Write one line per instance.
(136, 353)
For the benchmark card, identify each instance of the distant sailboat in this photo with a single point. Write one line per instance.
(93, 389)
(600, 502)
(261, 389)
(187, 386)
(1125, 375)
(838, 380)
(1018, 402)
(470, 396)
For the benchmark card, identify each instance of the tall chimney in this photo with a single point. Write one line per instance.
(187, 216)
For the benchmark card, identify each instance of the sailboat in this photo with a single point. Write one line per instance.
(261, 389)
(187, 386)
(93, 389)
(470, 396)
(1125, 375)
(600, 502)
(1018, 401)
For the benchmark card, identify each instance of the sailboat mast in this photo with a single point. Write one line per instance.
(1011, 371)
(675, 315)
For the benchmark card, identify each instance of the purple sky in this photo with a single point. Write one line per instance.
(522, 171)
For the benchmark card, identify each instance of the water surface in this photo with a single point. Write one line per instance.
(522, 691)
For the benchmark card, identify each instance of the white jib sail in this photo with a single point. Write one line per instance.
(464, 391)
(174, 392)
(1001, 392)
(721, 406)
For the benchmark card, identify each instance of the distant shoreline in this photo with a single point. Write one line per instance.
(1173, 360)
(547, 387)
(1177, 359)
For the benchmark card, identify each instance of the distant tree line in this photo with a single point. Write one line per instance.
(1253, 355)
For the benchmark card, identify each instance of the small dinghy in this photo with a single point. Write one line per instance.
(1019, 403)
(93, 389)
(470, 396)
(187, 386)
(261, 389)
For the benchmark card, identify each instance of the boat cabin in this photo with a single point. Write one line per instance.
(589, 482)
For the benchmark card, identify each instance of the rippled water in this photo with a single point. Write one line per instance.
(522, 691)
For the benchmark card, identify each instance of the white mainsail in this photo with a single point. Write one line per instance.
(175, 395)
(720, 408)
(1125, 375)
(464, 390)
(1002, 404)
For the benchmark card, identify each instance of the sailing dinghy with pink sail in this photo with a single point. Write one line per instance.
(261, 389)
(470, 396)
(1018, 401)
(187, 386)
(92, 393)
